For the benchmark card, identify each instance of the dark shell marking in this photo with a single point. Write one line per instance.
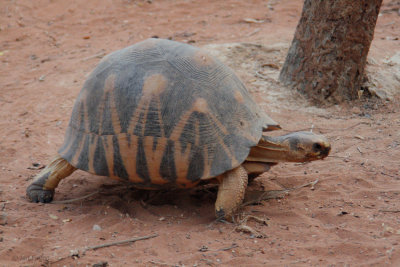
(162, 112)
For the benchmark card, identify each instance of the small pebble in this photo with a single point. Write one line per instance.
(96, 227)
(74, 252)
(54, 217)
(100, 264)
(3, 218)
(356, 110)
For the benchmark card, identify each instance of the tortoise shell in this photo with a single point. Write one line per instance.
(162, 113)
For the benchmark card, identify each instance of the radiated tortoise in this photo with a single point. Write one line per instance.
(164, 114)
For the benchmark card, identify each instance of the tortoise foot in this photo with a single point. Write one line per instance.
(36, 193)
(43, 186)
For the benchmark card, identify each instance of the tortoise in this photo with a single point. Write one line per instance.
(163, 114)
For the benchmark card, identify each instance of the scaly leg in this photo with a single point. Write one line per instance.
(42, 187)
(231, 192)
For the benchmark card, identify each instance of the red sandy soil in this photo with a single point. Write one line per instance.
(351, 217)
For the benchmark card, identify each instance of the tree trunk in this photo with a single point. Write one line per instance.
(329, 50)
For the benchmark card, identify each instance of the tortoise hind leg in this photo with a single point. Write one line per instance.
(231, 192)
(42, 187)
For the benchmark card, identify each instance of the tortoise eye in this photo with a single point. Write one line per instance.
(317, 147)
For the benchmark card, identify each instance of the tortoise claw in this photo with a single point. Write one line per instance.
(36, 193)
(220, 214)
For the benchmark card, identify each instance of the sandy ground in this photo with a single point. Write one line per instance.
(350, 217)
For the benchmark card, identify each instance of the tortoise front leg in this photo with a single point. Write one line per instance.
(231, 192)
(42, 187)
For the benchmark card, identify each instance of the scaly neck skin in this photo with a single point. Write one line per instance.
(270, 149)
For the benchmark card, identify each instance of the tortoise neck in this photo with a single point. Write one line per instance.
(271, 149)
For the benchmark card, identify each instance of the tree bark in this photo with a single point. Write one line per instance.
(329, 50)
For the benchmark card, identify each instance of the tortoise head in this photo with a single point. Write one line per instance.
(293, 147)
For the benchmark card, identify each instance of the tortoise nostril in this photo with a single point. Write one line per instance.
(317, 147)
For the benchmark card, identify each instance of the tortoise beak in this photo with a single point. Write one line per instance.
(325, 152)
(322, 150)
